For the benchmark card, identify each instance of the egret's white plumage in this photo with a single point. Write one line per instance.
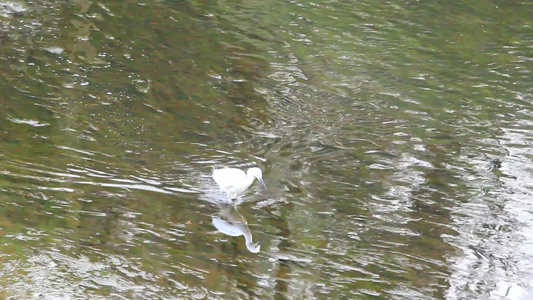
(232, 223)
(234, 181)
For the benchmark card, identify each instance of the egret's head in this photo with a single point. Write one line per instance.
(256, 173)
(254, 248)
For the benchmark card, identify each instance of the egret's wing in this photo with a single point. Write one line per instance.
(226, 178)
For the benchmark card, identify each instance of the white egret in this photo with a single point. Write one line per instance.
(234, 181)
(231, 222)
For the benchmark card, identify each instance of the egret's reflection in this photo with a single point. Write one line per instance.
(231, 222)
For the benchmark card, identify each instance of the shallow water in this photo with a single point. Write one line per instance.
(394, 138)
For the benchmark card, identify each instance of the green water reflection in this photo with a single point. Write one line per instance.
(376, 125)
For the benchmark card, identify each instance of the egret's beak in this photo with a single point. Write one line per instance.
(261, 180)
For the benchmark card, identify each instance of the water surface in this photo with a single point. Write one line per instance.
(394, 137)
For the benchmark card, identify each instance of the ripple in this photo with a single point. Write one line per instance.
(28, 122)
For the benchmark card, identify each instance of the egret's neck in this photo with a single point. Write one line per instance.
(254, 248)
(247, 236)
(249, 179)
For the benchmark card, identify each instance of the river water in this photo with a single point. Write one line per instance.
(394, 139)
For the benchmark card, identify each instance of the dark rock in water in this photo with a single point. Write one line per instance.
(496, 163)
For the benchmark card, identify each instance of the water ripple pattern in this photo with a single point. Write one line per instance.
(394, 139)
